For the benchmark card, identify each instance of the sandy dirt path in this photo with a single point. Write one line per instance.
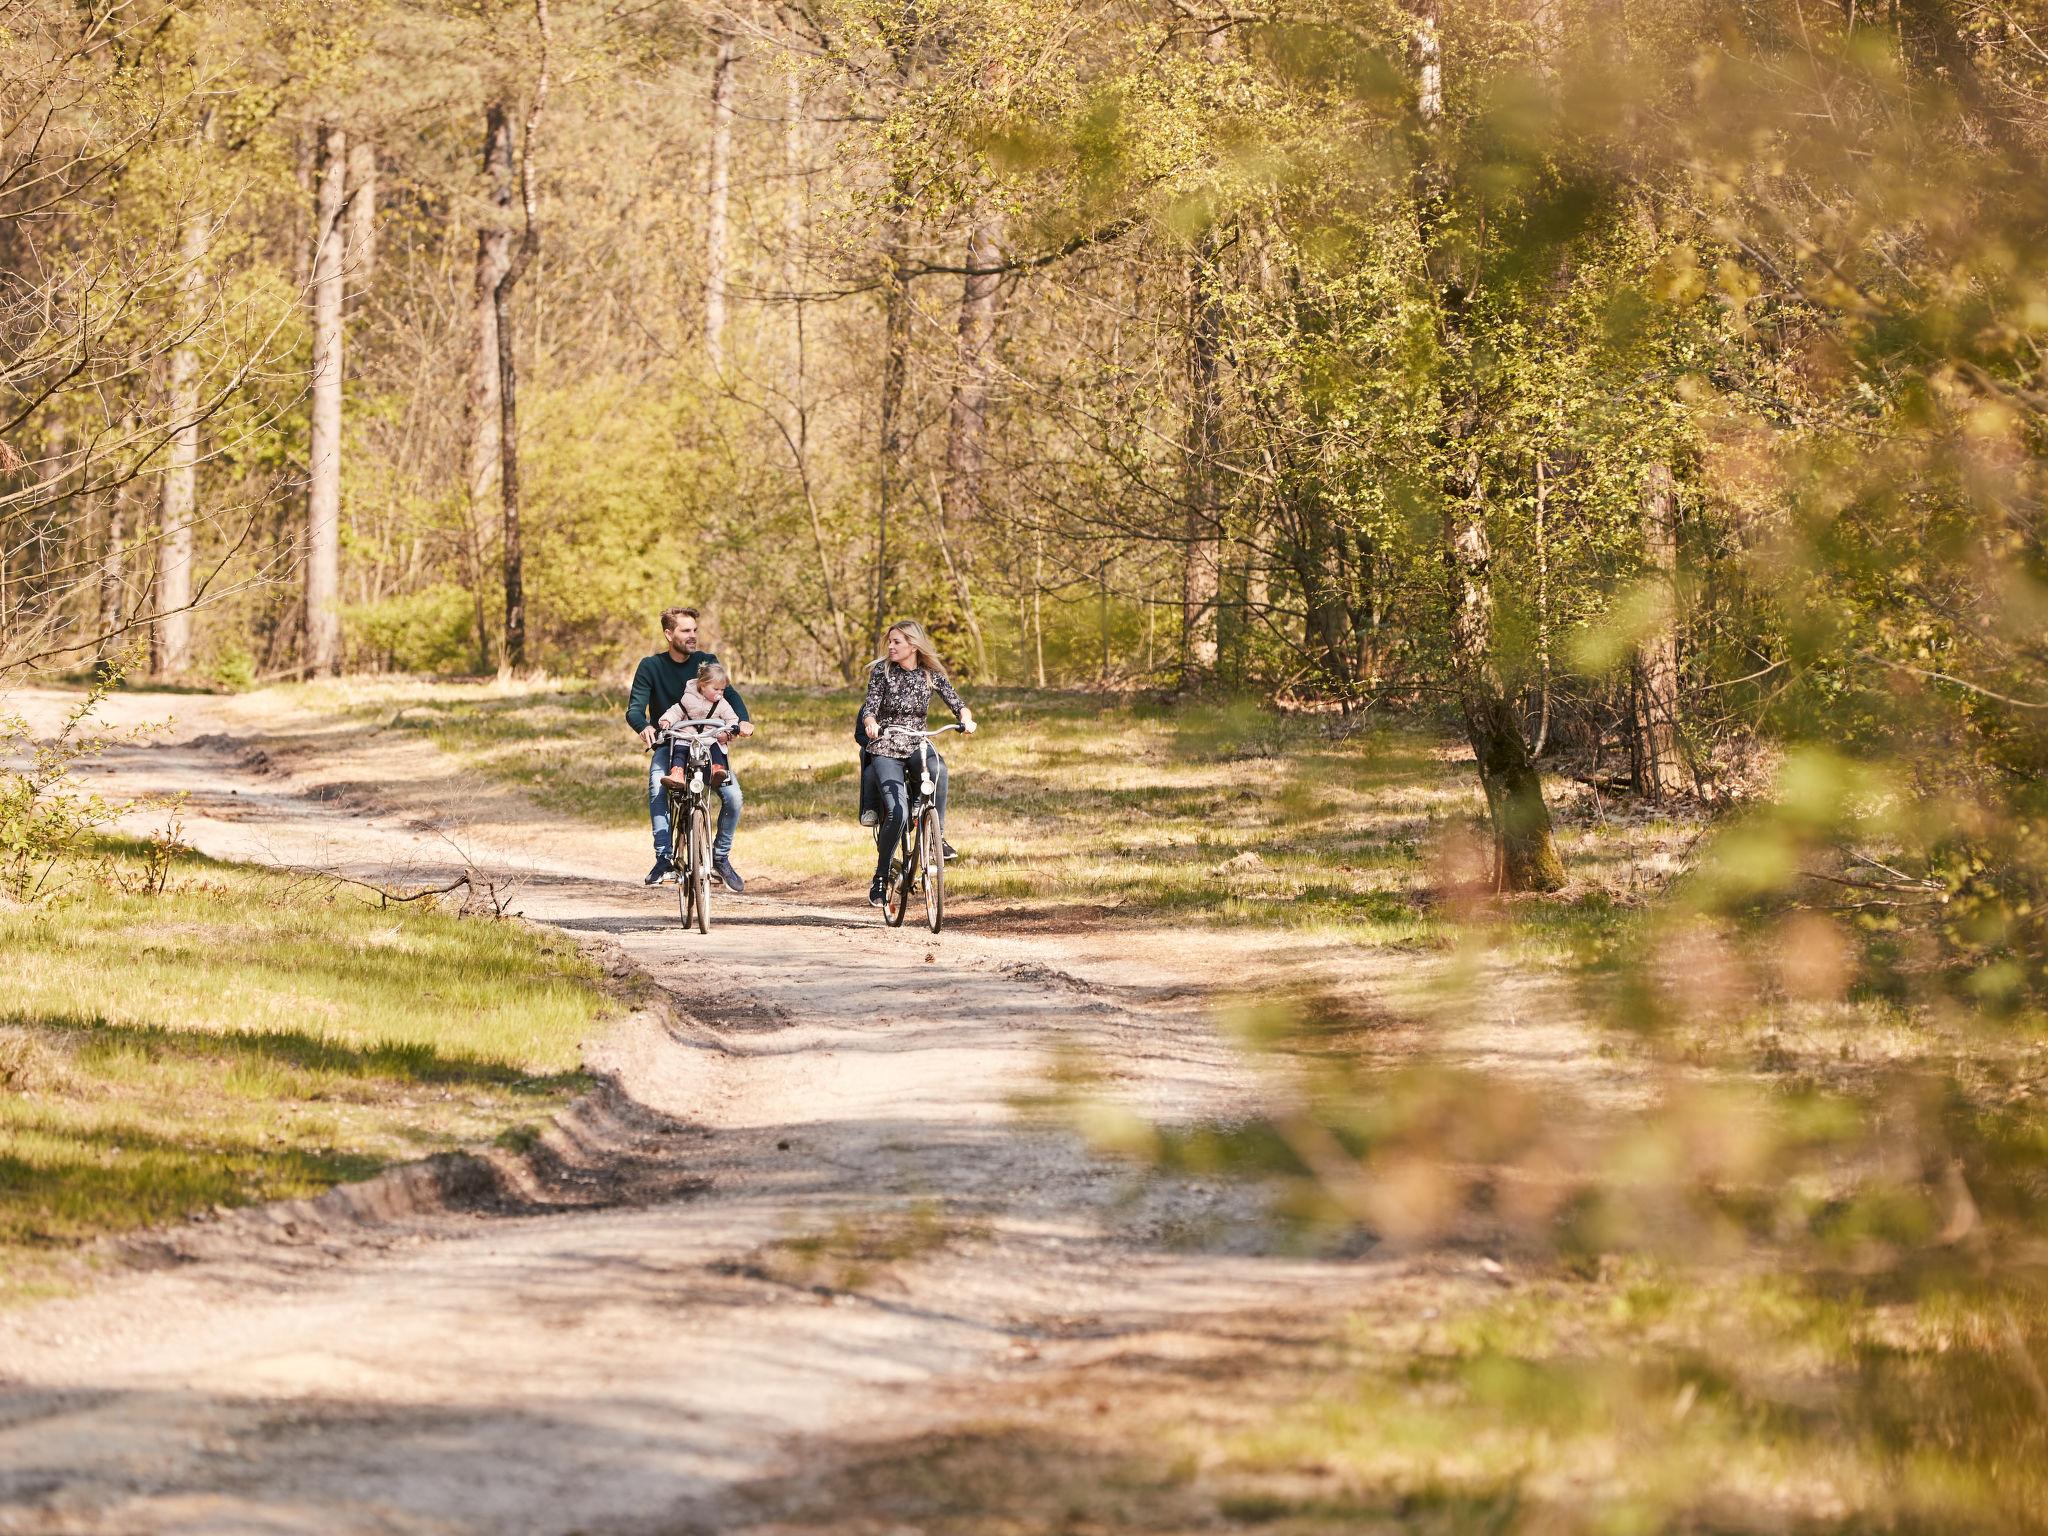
(626, 1370)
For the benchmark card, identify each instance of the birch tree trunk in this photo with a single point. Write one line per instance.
(180, 489)
(718, 199)
(481, 409)
(1526, 857)
(1656, 757)
(323, 490)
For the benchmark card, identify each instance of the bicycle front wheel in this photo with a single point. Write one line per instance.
(698, 875)
(931, 855)
(679, 851)
(902, 875)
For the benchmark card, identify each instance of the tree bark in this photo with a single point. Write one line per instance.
(1202, 533)
(482, 408)
(1525, 849)
(895, 374)
(323, 492)
(718, 199)
(179, 495)
(514, 552)
(967, 417)
(362, 218)
(1656, 758)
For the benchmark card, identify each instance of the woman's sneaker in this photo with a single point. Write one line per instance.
(878, 893)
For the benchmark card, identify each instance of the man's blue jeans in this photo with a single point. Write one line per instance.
(730, 803)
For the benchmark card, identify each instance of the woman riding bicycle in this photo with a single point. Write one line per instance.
(895, 712)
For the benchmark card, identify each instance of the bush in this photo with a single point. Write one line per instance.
(432, 630)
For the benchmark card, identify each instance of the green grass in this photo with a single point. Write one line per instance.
(1645, 1400)
(249, 1036)
(1190, 813)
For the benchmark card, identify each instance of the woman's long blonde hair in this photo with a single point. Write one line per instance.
(920, 642)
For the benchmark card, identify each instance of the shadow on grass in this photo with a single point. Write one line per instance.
(403, 1062)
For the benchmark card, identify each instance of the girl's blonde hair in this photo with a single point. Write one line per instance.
(711, 674)
(920, 642)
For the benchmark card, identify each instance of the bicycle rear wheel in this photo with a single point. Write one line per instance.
(698, 874)
(931, 854)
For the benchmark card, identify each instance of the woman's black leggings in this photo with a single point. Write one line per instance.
(890, 779)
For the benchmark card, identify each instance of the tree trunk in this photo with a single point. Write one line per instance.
(323, 492)
(1201, 571)
(513, 551)
(895, 372)
(1542, 605)
(1656, 759)
(179, 492)
(717, 200)
(1526, 857)
(114, 572)
(1202, 531)
(481, 410)
(362, 218)
(967, 418)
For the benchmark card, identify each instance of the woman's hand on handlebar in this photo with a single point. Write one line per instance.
(967, 721)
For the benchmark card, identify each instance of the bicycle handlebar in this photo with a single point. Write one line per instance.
(676, 733)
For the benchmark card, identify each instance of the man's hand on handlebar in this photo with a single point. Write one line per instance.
(647, 735)
(746, 728)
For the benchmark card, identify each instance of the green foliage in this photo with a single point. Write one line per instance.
(431, 630)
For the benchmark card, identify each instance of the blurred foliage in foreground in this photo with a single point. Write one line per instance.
(1828, 1037)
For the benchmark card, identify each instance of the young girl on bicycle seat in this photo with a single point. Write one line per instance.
(704, 699)
(896, 709)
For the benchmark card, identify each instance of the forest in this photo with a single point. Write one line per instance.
(1514, 430)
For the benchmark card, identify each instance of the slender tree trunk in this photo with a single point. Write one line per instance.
(1201, 570)
(960, 505)
(1655, 753)
(717, 200)
(1526, 857)
(1542, 605)
(513, 548)
(481, 409)
(895, 373)
(180, 489)
(323, 494)
(114, 571)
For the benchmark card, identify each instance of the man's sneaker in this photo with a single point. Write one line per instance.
(664, 869)
(870, 818)
(730, 876)
(878, 893)
(952, 853)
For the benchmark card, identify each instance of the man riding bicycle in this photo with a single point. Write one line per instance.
(659, 683)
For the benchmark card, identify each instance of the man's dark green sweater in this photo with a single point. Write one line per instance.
(658, 684)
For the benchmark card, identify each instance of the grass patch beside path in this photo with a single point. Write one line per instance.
(1226, 813)
(250, 1036)
(1639, 1402)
